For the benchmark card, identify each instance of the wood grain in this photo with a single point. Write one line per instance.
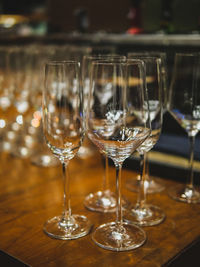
(29, 195)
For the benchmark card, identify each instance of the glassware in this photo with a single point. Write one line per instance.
(152, 186)
(42, 53)
(64, 131)
(103, 200)
(86, 150)
(184, 106)
(18, 138)
(142, 213)
(113, 126)
(41, 155)
(6, 94)
(164, 72)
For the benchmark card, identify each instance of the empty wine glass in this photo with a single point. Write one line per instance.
(64, 131)
(103, 200)
(152, 186)
(6, 94)
(86, 150)
(114, 127)
(184, 106)
(142, 213)
(41, 155)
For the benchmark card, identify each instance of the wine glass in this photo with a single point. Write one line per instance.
(117, 131)
(42, 156)
(103, 200)
(6, 94)
(64, 131)
(20, 62)
(86, 150)
(184, 106)
(142, 213)
(152, 186)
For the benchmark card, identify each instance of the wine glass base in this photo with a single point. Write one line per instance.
(119, 238)
(184, 194)
(44, 160)
(149, 215)
(151, 185)
(103, 201)
(22, 152)
(81, 226)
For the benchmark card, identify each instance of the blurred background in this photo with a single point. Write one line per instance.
(133, 16)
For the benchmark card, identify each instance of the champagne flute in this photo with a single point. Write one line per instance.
(142, 213)
(184, 106)
(64, 131)
(6, 94)
(117, 131)
(103, 200)
(42, 156)
(152, 186)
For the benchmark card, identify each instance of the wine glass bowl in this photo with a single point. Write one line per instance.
(64, 131)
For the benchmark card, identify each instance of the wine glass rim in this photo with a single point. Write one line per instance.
(187, 54)
(147, 53)
(62, 62)
(109, 63)
(102, 56)
(145, 57)
(131, 61)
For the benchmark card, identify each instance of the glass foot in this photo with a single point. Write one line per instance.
(44, 160)
(78, 226)
(114, 237)
(151, 185)
(149, 215)
(184, 193)
(22, 152)
(103, 201)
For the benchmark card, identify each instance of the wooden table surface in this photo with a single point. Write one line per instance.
(29, 195)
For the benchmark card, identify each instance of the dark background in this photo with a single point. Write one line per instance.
(110, 15)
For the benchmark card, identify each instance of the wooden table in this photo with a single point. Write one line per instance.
(29, 195)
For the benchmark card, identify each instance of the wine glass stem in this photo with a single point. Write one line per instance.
(106, 175)
(147, 176)
(66, 195)
(118, 193)
(142, 189)
(191, 162)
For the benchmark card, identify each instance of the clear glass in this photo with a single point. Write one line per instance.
(42, 156)
(184, 106)
(152, 186)
(114, 127)
(20, 66)
(16, 109)
(104, 200)
(142, 213)
(6, 95)
(87, 150)
(64, 131)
